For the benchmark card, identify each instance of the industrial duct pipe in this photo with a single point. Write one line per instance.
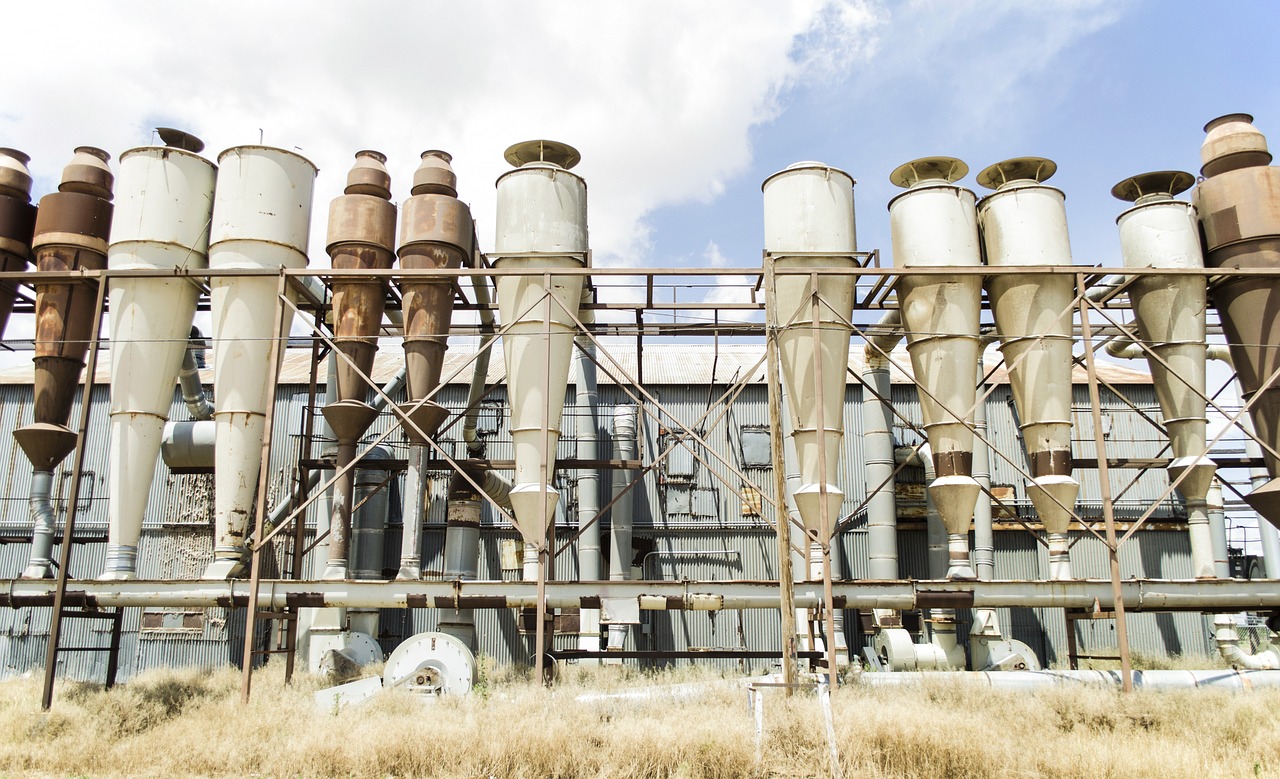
(164, 202)
(261, 221)
(625, 426)
(70, 234)
(362, 231)
(541, 224)
(1024, 223)
(878, 450)
(1239, 206)
(17, 224)
(436, 233)
(1160, 232)
(934, 224)
(809, 223)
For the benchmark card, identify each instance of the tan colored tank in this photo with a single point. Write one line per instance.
(1239, 207)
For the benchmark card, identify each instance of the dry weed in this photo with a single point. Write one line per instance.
(191, 723)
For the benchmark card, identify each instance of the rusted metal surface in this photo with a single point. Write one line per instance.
(17, 224)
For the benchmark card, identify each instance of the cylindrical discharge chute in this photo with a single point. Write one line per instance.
(361, 236)
(261, 220)
(164, 200)
(70, 234)
(17, 224)
(436, 233)
(809, 223)
(934, 225)
(541, 225)
(1024, 223)
(1239, 206)
(1160, 232)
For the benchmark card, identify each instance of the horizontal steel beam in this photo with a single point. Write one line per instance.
(1138, 594)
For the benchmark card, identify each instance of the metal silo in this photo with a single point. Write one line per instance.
(261, 219)
(541, 224)
(17, 224)
(935, 225)
(361, 236)
(1024, 223)
(1160, 232)
(809, 223)
(1239, 206)
(71, 230)
(164, 199)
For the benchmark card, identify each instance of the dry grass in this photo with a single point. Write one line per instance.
(190, 723)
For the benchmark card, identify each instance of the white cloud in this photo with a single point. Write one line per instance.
(659, 97)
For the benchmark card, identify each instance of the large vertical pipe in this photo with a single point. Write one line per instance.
(1024, 224)
(877, 448)
(588, 485)
(1160, 232)
(17, 224)
(70, 234)
(368, 531)
(1218, 529)
(625, 421)
(984, 545)
(541, 224)
(164, 200)
(362, 231)
(1239, 206)
(462, 554)
(436, 233)
(934, 224)
(261, 221)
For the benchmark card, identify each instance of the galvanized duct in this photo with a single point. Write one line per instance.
(878, 446)
(198, 405)
(625, 427)
(588, 483)
(1035, 680)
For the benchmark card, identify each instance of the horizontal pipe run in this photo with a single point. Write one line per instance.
(1216, 596)
(1033, 680)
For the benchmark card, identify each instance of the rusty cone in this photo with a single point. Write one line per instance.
(17, 224)
(362, 229)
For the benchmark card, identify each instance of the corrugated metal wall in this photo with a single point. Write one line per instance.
(690, 522)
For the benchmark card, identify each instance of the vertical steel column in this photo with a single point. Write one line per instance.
(782, 521)
(68, 529)
(1104, 485)
(824, 520)
(255, 578)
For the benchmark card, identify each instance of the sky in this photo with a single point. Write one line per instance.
(680, 110)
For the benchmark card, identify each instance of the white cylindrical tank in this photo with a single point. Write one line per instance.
(934, 225)
(1161, 232)
(809, 223)
(164, 199)
(1024, 224)
(541, 223)
(261, 219)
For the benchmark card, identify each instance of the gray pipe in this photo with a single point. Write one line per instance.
(878, 462)
(984, 545)
(1034, 680)
(475, 447)
(1218, 530)
(625, 424)
(462, 554)
(588, 485)
(198, 405)
(42, 516)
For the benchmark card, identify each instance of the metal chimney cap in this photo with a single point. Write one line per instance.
(20, 156)
(909, 174)
(88, 173)
(1225, 118)
(180, 139)
(369, 175)
(809, 165)
(1160, 182)
(559, 154)
(15, 178)
(1037, 169)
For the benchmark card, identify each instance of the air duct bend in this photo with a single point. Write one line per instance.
(362, 231)
(541, 225)
(809, 223)
(1160, 232)
(1024, 223)
(70, 234)
(17, 223)
(1239, 207)
(163, 206)
(934, 224)
(1228, 641)
(261, 220)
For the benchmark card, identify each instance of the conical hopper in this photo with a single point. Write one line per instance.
(70, 234)
(808, 210)
(1239, 206)
(541, 224)
(934, 224)
(436, 233)
(1024, 224)
(362, 231)
(17, 224)
(1160, 232)
(261, 219)
(164, 202)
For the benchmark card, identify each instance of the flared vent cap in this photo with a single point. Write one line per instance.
(948, 169)
(542, 151)
(1037, 169)
(180, 139)
(1161, 182)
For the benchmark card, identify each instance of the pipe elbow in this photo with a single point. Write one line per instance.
(1228, 641)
